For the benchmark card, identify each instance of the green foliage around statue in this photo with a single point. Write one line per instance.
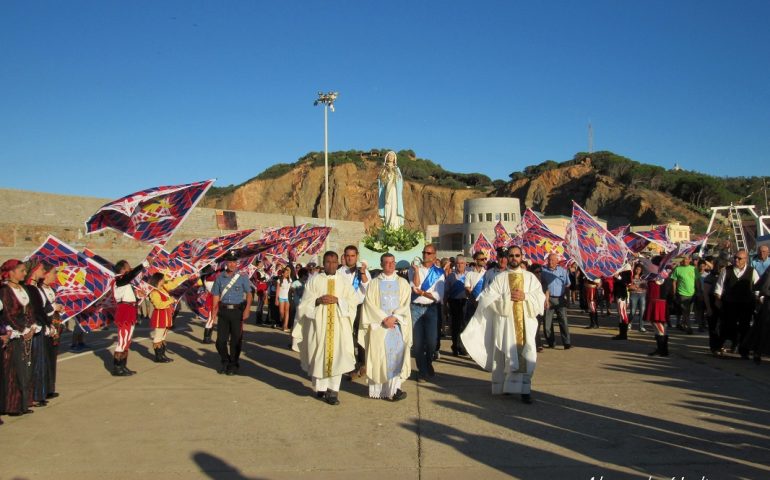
(383, 239)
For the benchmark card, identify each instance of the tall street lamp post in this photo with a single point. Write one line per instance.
(327, 99)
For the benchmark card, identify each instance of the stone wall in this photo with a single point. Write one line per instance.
(27, 218)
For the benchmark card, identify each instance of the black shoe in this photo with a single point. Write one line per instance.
(163, 354)
(526, 398)
(399, 395)
(320, 394)
(331, 397)
(52, 395)
(222, 369)
(158, 357)
(550, 345)
(463, 352)
(232, 369)
(431, 370)
(567, 346)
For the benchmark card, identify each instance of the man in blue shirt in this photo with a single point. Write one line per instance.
(555, 280)
(762, 260)
(231, 305)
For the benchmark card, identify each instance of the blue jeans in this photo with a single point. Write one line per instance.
(637, 301)
(424, 335)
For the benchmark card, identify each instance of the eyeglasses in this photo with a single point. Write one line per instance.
(514, 255)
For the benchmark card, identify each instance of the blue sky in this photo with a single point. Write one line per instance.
(103, 98)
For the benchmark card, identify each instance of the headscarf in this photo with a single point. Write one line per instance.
(7, 267)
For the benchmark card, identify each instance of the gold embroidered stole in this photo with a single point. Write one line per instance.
(331, 311)
(516, 282)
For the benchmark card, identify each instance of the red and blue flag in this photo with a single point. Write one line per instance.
(482, 245)
(596, 251)
(200, 252)
(151, 215)
(80, 281)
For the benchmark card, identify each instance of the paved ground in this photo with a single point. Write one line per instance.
(603, 409)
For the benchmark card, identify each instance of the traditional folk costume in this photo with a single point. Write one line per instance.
(589, 293)
(388, 362)
(620, 291)
(53, 336)
(501, 335)
(208, 285)
(41, 368)
(324, 333)
(18, 319)
(163, 316)
(657, 315)
(125, 319)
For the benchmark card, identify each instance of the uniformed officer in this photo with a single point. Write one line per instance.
(231, 304)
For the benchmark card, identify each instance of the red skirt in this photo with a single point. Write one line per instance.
(162, 318)
(125, 315)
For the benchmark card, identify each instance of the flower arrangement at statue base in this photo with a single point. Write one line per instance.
(404, 243)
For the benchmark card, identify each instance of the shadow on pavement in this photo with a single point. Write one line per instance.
(216, 468)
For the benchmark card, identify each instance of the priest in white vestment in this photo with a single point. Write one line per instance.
(501, 335)
(323, 332)
(386, 332)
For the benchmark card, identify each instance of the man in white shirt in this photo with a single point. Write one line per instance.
(427, 283)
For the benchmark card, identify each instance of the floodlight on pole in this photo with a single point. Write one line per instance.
(327, 99)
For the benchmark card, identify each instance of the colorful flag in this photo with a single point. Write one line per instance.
(170, 265)
(620, 231)
(281, 233)
(482, 245)
(502, 238)
(309, 241)
(196, 298)
(80, 281)
(659, 236)
(200, 252)
(98, 315)
(151, 215)
(537, 242)
(596, 251)
(634, 242)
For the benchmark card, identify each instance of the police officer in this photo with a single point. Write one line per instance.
(231, 304)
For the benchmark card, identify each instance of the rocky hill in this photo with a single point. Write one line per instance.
(615, 188)
(552, 192)
(352, 195)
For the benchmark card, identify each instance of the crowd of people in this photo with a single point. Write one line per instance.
(345, 320)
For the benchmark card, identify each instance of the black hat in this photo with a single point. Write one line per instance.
(230, 257)
(502, 251)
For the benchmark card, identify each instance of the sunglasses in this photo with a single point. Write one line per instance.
(514, 255)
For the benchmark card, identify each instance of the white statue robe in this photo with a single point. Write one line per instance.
(323, 334)
(497, 341)
(388, 362)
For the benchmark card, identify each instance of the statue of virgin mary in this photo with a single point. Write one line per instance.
(390, 185)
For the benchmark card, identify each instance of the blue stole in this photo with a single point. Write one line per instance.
(356, 279)
(434, 273)
(478, 287)
(457, 287)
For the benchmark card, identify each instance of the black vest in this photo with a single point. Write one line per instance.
(739, 289)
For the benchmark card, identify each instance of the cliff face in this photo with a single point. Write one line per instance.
(552, 192)
(352, 196)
